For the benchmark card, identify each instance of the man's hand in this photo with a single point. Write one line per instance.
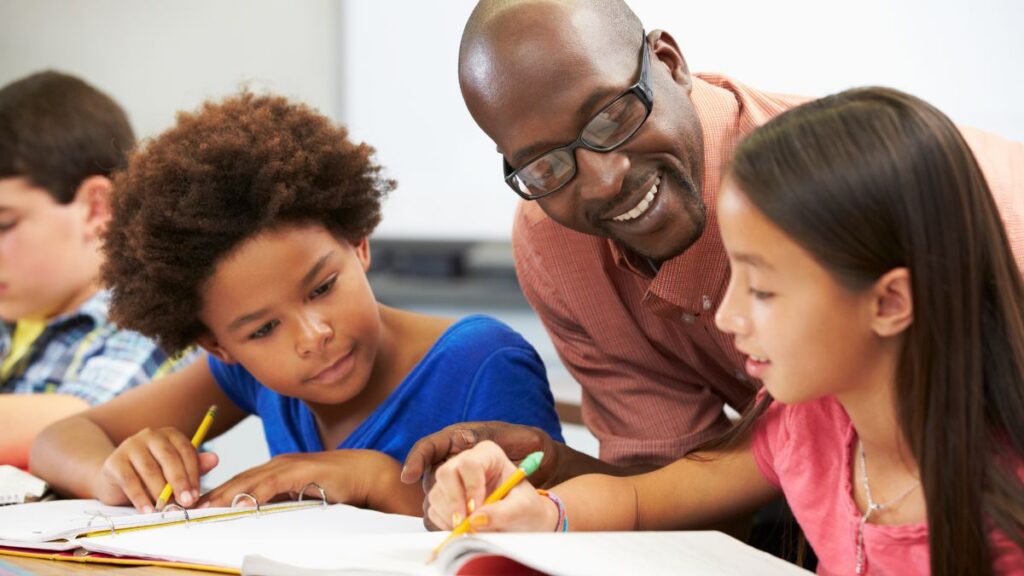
(517, 442)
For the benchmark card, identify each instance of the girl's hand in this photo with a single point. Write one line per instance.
(137, 471)
(363, 478)
(468, 478)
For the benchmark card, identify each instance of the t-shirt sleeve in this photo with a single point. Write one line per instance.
(511, 386)
(769, 436)
(236, 382)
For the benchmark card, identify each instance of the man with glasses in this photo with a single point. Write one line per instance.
(618, 152)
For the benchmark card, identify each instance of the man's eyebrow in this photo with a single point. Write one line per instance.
(595, 98)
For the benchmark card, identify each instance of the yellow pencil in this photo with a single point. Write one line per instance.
(528, 466)
(197, 439)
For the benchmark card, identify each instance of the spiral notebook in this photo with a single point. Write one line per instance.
(213, 539)
(315, 539)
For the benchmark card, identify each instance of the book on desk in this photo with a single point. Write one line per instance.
(316, 539)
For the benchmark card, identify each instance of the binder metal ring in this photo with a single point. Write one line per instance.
(234, 501)
(97, 514)
(176, 506)
(323, 495)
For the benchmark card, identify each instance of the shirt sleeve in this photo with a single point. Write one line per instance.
(236, 382)
(123, 360)
(676, 415)
(511, 386)
(769, 435)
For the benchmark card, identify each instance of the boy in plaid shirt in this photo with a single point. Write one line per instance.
(60, 139)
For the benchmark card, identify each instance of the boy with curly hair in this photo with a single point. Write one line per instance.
(244, 230)
(60, 139)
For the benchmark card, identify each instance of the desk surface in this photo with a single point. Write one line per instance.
(13, 566)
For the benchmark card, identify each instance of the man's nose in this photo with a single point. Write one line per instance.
(600, 174)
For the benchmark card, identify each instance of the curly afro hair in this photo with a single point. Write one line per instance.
(220, 176)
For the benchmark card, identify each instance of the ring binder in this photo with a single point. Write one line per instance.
(169, 506)
(214, 538)
(323, 495)
(234, 501)
(93, 515)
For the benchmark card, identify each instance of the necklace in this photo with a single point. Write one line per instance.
(872, 506)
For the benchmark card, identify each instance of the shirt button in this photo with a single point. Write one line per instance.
(707, 302)
(688, 318)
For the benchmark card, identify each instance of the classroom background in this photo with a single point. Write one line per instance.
(387, 69)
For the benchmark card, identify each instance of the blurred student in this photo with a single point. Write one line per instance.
(874, 292)
(244, 230)
(60, 139)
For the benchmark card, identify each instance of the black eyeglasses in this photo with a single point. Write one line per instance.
(607, 130)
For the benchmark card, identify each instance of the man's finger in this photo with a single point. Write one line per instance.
(436, 448)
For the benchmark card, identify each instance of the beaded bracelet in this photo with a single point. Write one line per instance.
(563, 519)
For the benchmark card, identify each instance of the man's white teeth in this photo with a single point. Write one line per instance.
(758, 359)
(642, 206)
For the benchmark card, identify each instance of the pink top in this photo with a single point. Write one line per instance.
(805, 449)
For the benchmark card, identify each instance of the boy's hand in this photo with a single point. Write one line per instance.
(363, 478)
(137, 471)
(468, 478)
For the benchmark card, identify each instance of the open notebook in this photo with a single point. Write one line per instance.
(321, 540)
(86, 530)
(345, 541)
(556, 554)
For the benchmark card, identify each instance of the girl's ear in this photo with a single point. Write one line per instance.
(893, 306)
(209, 343)
(362, 249)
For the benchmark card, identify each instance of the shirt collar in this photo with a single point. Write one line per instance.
(93, 310)
(697, 277)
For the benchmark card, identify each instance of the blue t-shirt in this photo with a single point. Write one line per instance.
(479, 369)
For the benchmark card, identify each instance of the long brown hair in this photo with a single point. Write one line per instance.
(873, 179)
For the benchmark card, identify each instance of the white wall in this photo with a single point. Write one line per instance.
(401, 90)
(156, 57)
(388, 68)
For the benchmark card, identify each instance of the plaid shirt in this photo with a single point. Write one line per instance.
(83, 354)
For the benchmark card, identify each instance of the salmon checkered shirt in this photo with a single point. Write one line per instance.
(654, 369)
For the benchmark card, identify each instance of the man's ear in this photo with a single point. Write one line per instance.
(362, 248)
(665, 50)
(93, 195)
(212, 346)
(893, 303)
